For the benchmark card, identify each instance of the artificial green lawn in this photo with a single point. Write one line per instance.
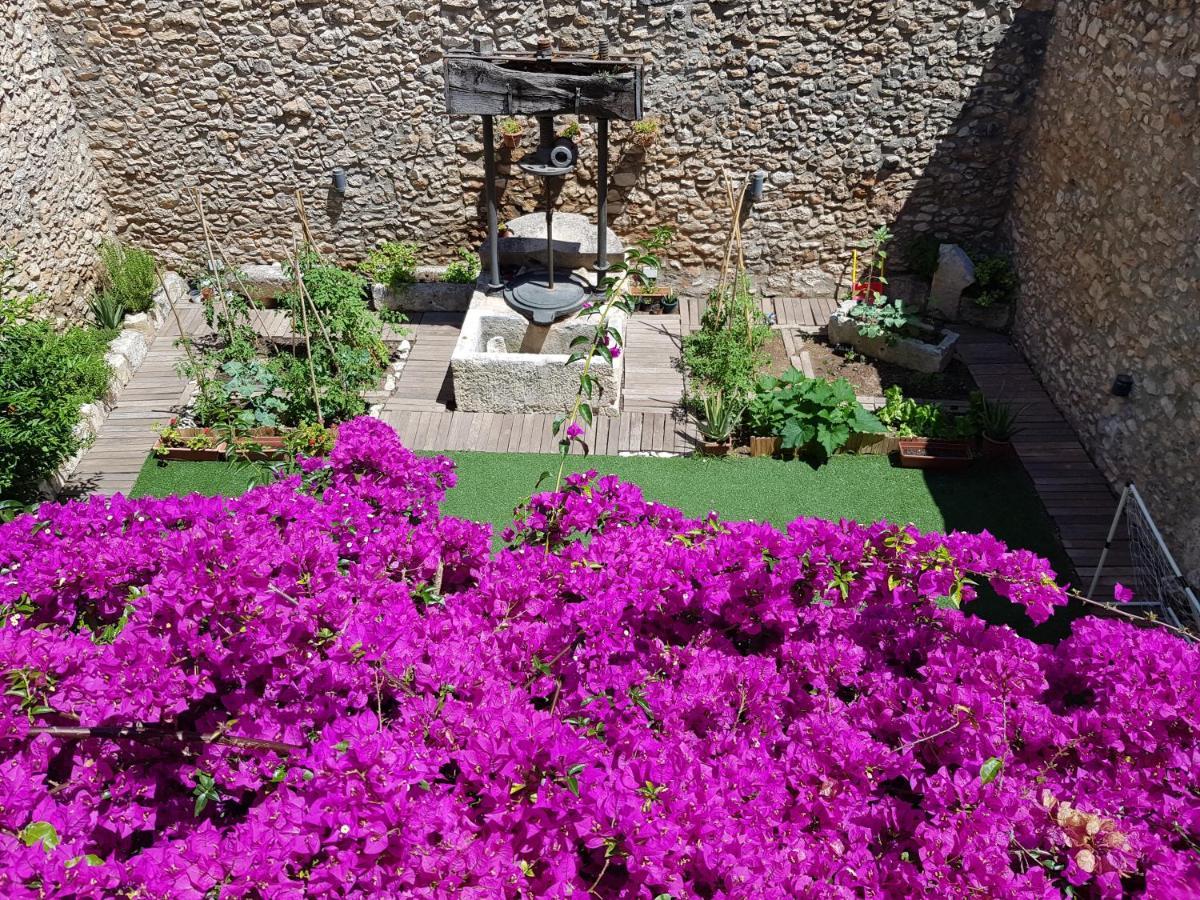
(997, 497)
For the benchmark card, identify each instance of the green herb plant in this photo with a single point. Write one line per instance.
(129, 276)
(996, 282)
(465, 269)
(810, 415)
(393, 263)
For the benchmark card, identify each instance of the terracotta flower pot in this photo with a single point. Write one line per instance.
(765, 446)
(996, 450)
(511, 140)
(715, 448)
(935, 455)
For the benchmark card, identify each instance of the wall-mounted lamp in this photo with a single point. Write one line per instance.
(1122, 386)
(758, 183)
(339, 180)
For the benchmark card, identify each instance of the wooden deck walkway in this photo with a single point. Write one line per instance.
(153, 396)
(1076, 495)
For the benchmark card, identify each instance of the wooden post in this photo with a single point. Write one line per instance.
(489, 193)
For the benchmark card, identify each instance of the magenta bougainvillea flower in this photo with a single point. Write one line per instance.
(327, 688)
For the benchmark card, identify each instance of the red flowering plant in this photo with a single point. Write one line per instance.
(326, 687)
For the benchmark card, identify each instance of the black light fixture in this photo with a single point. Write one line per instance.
(339, 180)
(1123, 385)
(758, 182)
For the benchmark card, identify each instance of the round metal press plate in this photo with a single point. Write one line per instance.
(529, 295)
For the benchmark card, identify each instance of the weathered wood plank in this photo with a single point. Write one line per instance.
(500, 86)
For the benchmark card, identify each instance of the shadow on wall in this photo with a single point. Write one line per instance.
(964, 192)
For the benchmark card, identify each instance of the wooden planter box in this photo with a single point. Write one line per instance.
(871, 444)
(651, 300)
(266, 446)
(936, 455)
(765, 446)
(180, 453)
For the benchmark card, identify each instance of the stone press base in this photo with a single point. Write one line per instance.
(503, 363)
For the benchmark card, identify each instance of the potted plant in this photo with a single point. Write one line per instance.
(669, 303)
(511, 131)
(570, 130)
(645, 132)
(992, 295)
(997, 424)
(644, 290)
(188, 444)
(719, 417)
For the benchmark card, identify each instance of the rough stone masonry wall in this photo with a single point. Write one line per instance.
(863, 111)
(52, 211)
(1106, 222)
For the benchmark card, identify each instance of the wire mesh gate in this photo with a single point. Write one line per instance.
(1159, 586)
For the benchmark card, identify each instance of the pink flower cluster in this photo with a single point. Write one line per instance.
(327, 688)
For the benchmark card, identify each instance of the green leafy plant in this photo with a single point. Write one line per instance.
(809, 413)
(108, 310)
(994, 419)
(996, 282)
(570, 130)
(726, 353)
(45, 376)
(645, 131)
(128, 275)
(882, 318)
(15, 307)
(511, 126)
(309, 439)
(465, 269)
(393, 263)
(910, 419)
(719, 416)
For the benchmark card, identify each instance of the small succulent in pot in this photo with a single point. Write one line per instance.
(718, 419)
(996, 422)
(511, 131)
(645, 132)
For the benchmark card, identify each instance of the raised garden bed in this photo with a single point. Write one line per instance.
(929, 353)
(934, 454)
(190, 445)
(871, 377)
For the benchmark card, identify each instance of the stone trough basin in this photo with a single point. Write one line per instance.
(912, 353)
(503, 363)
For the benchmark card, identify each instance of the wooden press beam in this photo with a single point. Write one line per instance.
(523, 86)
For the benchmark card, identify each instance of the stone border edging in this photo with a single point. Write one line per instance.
(126, 352)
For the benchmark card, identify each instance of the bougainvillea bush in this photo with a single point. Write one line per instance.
(326, 688)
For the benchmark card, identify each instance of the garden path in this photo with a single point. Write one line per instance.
(154, 394)
(1076, 495)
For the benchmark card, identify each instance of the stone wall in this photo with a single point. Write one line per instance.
(1106, 223)
(52, 211)
(862, 112)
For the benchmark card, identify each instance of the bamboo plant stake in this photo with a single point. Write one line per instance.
(312, 372)
(198, 202)
(184, 340)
